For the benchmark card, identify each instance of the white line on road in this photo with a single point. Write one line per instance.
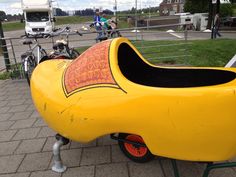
(176, 35)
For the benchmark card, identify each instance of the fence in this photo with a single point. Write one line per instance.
(155, 43)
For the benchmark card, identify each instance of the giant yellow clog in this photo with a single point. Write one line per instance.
(181, 113)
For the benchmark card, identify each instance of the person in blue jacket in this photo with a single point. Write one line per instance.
(97, 24)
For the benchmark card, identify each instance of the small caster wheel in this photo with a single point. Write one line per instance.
(136, 153)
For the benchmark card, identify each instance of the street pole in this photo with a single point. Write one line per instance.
(4, 48)
(213, 17)
(115, 11)
(136, 19)
(136, 7)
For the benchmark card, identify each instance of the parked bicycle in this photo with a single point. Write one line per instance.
(61, 49)
(37, 54)
(32, 57)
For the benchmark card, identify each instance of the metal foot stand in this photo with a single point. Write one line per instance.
(57, 164)
(175, 167)
(211, 166)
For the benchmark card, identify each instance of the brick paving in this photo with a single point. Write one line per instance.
(26, 147)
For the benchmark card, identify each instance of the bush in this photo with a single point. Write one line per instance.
(4, 75)
(226, 10)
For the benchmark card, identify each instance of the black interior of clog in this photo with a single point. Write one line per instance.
(137, 71)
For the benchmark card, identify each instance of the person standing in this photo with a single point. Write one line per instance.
(98, 25)
(216, 26)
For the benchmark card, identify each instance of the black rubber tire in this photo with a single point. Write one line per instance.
(115, 34)
(146, 158)
(74, 54)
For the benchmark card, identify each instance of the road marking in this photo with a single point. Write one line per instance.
(231, 63)
(176, 35)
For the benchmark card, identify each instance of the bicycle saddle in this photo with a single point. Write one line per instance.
(27, 42)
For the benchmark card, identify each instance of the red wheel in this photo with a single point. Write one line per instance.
(136, 153)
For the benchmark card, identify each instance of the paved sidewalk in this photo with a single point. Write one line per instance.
(26, 147)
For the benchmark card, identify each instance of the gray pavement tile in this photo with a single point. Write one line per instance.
(49, 173)
(9, 164)
(3, 97)
(18, 108)
(16, 102)
(40, 123)
(50, 142)
(5, 109)
(29, 101)
(31, 107)
(224, 172)
(75, 145)
(117, 155)
(86, 171)
(6, 116)
(14, 95)
(112, 170)
(27, 95)
(8, 148)
(96, 155)
(7, 135)
(31, 146)
(16, 175)
(106, 140)
(150, 169)
(70, 158)
(25, 123)
(186, 169)
(35, 114)
(46, 132)
(21, 115)
(3, 103)
(36, 161)
(189, 168)
(28, 133)
(5, 125)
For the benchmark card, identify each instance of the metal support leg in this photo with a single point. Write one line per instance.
(175, 167)
(57, 164)
(211, 166)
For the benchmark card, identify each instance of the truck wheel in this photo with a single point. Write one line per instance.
(136, 153)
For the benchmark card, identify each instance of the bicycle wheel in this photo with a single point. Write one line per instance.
(29, 65)
(115, 34)
(74, 53)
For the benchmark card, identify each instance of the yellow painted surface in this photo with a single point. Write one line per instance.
(197, 123)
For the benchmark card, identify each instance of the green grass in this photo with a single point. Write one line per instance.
(4, 75)
(199, 53)
(12, 26)
(73, 20)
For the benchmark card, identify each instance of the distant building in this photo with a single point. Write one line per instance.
(171, 7)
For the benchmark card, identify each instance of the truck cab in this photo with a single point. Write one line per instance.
(38, 17)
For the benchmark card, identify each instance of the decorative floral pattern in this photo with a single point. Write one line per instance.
(90, 69)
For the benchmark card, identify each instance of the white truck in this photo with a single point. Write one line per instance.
(38, 15)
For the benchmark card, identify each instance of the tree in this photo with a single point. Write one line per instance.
(196, 6)
(3, 16)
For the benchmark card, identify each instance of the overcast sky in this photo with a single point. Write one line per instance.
(13, 6)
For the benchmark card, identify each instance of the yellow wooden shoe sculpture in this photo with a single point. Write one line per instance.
(182, 113)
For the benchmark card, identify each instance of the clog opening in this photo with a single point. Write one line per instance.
(140, 72)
